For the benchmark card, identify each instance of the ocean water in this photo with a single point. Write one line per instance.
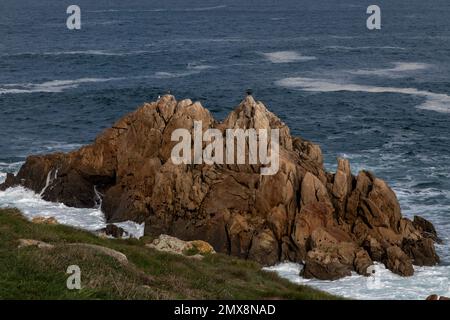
(380, 98)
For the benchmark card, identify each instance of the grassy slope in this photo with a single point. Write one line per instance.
(32, 273)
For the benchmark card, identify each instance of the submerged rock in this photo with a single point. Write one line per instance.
(335, 222)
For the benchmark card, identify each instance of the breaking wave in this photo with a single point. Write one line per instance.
(384, 285)
(199, 66)
(400, 69)
(206, 8)
(32, 205)
(348, 48)
(77, 53)
(159, 10)
(49, 86)
(438, 102)
(286, 57)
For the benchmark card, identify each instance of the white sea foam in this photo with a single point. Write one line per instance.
(80, 52)
(74, 53)
(169, 75)
(133, 229)
(32, 205)
(286, 57)
(56, 86)
(400, 69)
(49, 86)
(434, 101)
(206, 8)
(9, 167)
(348, 48)
(199, 66)
(426, 281)
(59, 146)
(96, 53)
(159, 10)
(12, 165)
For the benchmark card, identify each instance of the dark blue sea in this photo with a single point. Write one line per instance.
(378, 97)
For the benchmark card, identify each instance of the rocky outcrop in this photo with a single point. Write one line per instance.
(333, 222)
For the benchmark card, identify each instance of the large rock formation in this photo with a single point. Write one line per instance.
(335, 223)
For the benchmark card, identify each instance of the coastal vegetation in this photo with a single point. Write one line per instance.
(39, 271)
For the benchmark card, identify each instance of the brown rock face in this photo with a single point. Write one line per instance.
(324, 266)
(421, 251)
(398, 262)
(426, 228)
(335, 223)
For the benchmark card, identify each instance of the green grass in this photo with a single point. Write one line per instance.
(33, 273)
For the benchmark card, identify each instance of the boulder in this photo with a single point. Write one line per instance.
(336, 222)
(34, 243)
(265, 248)
(170, 244)
(166, 243)
(426, 228)
(331, 260)
(202, 247)
(421, 251)
(44, 220)
(324, 266)
(398, 262)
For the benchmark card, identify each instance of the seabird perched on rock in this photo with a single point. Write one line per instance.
(249, 92)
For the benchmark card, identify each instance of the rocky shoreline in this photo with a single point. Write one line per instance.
(334, 223)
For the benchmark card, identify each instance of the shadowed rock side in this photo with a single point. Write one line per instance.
(334, 223)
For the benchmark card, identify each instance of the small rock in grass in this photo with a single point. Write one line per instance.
(44, 220)
(31, 242)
